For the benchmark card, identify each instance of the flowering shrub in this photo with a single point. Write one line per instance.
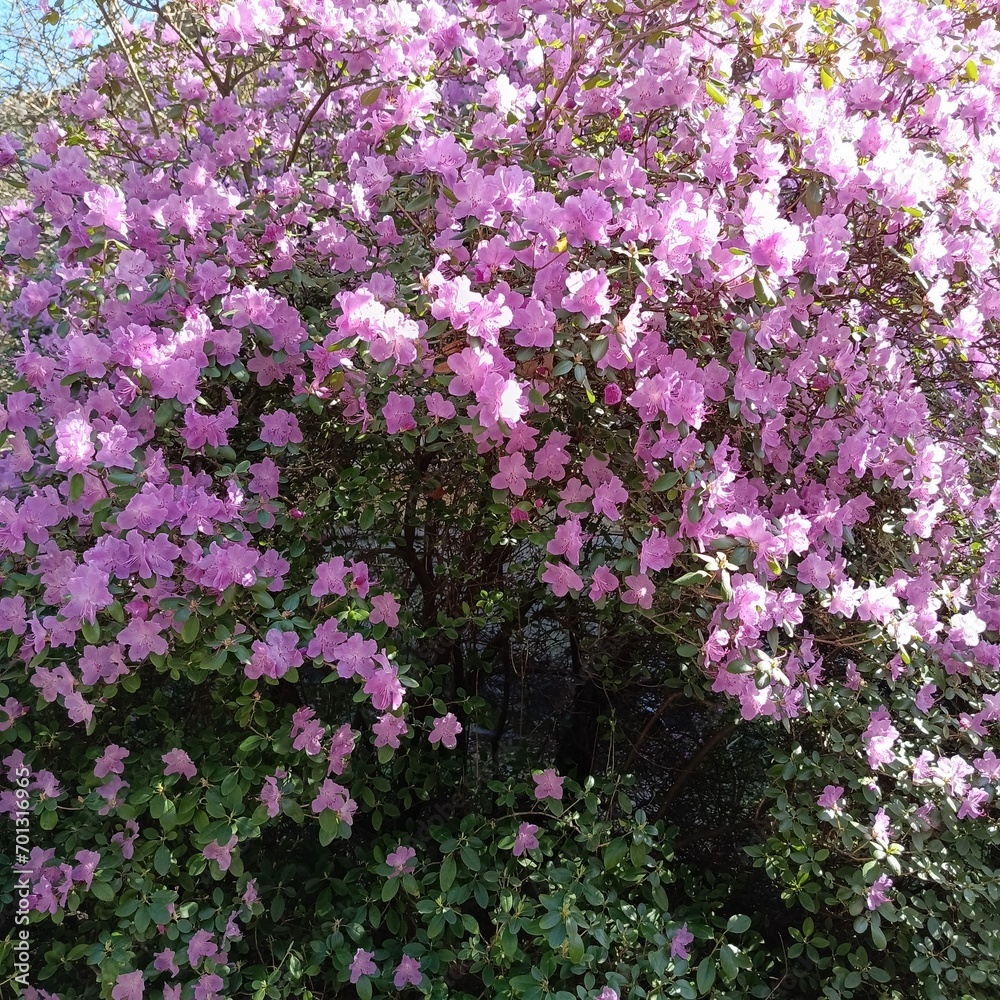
(365, 349)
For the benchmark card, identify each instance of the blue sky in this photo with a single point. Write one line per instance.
(29, 49)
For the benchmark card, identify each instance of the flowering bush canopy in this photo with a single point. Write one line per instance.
(364, 345)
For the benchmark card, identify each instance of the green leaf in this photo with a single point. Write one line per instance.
(76, 485)
(698, 576)
(191, 629)
(705, 977)
(448, 872)
(162, 859)
(665, 482)
(738, 923)
(615, 853)
(91, 632)
(878, 936)
(103, 891)
(715, 92)
(727, 958)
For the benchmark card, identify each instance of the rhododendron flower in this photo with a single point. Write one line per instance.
(879, 738)
(445, 731)
(341, 745)
(178, 762)
(525, 839)
(399, 861)
(126, 840)
(335, 798)
(164, 961)
(682, 937)
(988, 765)
(385, 688)
(388, 729)
(280, 428)
(13, 710)
(830, 799)
(362, 965)
(208, 986)
(129, 986)
(877, 893)
(385, 608)
(548, 785)
(972, 803)
(407, 973)
(220, 853)
(112, 761)
(307, 731)
(604, 582)
(640, 591)
(562, 578)
(587, 293)
(880, 828)
(925, 697)
(201, 945)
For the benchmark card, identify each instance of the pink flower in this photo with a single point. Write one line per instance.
(362, 965)
(680, 941)
(881, 833)
(307, 731)
(972, 804)
(385, 608)
(398, 413)
(201, 945)
(221, 854)
(280, 428)
(526, 839)
(988, 765)
(385, 689)
(335, 798)
(74, 447)
(513, 475)
(129, 986)
(407, 973)
(112, 761)
(331, 578)
(388, 729)
(561, 578)
(399, 861)
(178, 762)
(925, 698)
(830, 798)
(270, 794)
(341, 745)
(879, 738)
(877, 893)
(604, 582)
(126, 840)
(445, 731)
(640, 591)
(548, 785)
(587, 293)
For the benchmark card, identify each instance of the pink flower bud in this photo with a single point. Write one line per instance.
(296, 513)
(612, 394)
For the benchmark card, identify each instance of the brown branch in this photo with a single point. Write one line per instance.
(648, 728)
(678, 786)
